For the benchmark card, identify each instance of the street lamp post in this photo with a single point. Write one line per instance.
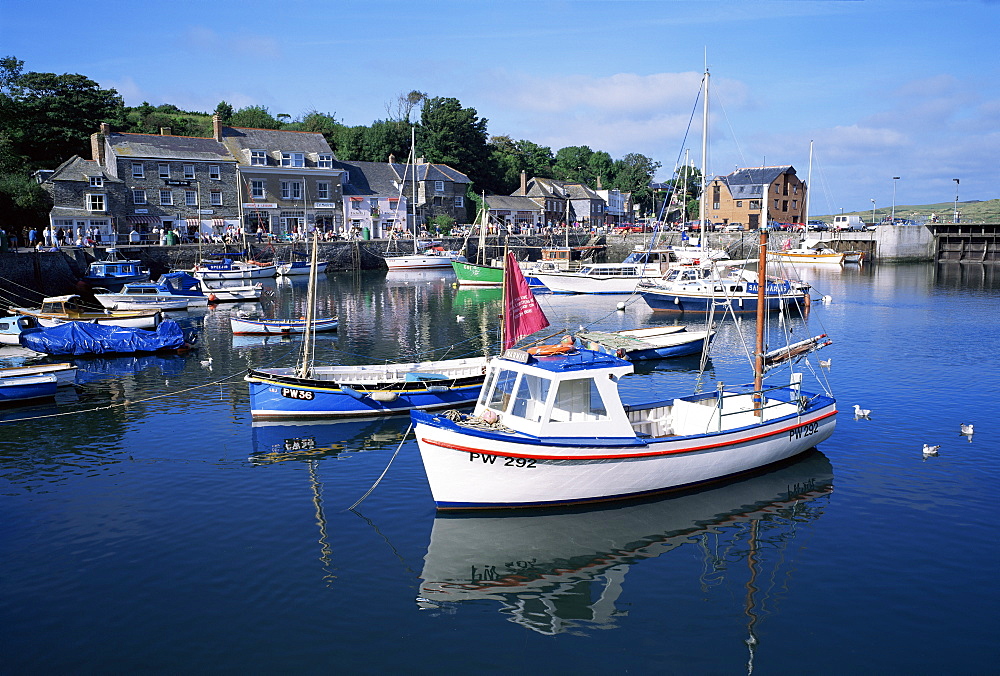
(955, 215)
(873, 211)
(892, 218)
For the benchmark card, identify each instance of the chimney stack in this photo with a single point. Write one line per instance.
(97, 143)
(164, 131)
(217, 128)
(392, 159)
(524, 182)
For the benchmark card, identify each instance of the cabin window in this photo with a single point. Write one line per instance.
(503, 389)
(529, 402)
(578, 400)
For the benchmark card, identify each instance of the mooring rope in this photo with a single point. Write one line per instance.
(369, 492)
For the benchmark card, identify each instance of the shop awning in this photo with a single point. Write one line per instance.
(218, 222)
(193, 222)
(143, 219)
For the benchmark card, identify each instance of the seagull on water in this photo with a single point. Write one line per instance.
(207, 363)
(862, 412)
(930, 450)
(459, 318)
(825, 363)
(967, 429)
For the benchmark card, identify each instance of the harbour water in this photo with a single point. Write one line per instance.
(148, 526)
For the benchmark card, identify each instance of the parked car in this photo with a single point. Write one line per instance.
(734, 227)
(819, 226)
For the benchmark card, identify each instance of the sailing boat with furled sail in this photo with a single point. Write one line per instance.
(337, 391)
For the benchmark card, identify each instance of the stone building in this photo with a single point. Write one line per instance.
(736, 198)
(373, 200)
(515, 211)
(146, 184)
(287, 181)
(550, 195)
(440, 190)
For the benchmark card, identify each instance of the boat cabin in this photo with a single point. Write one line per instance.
(66, 305)
(561, 396)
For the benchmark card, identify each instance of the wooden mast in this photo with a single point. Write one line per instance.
(758, 366)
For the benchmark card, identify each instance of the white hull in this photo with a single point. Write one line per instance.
(572, 282)
(113, 301)
(792, 256)
(420, 262)
(65, 373)
(290, 270)
(268, 327)
(246, 292)
(243, 271)
(148, 321)
(469, 472)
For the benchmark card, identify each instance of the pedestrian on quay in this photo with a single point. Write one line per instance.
(60, 235)
(32, 238)
(13, 241)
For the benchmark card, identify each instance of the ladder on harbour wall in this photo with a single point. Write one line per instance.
(967, 243)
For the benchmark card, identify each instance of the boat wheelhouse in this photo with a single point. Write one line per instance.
(113, 272)
(559, 423)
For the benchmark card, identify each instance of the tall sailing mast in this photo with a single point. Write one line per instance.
(702, 206)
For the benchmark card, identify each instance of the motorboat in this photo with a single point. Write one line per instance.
(57, 310)
(114, 272)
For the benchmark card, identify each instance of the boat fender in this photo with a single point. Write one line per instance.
(212, 298)
(351, 392)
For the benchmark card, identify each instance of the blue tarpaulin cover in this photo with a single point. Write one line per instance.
(76, 338)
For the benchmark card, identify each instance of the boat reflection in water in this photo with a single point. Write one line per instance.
(565, 572)
(279, 442)
(90, 369)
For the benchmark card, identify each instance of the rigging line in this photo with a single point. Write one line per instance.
(124, 404)
(369, 492)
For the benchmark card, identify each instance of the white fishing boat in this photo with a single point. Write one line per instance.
(427, 256)
(65, 373)
(610, 278)
(172, 291)
(817, 251)
(56, 310)
(298, 268)
(13, 326)
(263, 326)
(219, 292)
(550, 428)
(227, 268)
(721, 288)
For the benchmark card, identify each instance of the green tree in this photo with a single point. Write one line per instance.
(633, 173)
(384, 138)
(254, 117)
(23, 204)
(224, 111)
(456, 136)
(47, 117)
(572, 164)
(401, 109)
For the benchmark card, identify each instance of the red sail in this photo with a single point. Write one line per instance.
(522, 315)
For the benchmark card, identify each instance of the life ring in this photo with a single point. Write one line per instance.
(550, 350)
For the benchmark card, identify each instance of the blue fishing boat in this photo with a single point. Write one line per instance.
(113, 272)
(638, 344)
(79, 338)
(715, 287)
(12, 327)
(26, 388)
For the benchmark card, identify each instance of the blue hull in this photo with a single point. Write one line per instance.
(272, 399)
(677, 302)
(16, 390)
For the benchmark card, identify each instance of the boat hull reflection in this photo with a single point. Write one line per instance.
(554, 572)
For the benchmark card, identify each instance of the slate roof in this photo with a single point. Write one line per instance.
(238, 139)
(430, 172)
(155, 146)
(543, 187)
(78, 169)
(512, 203)
(747, 183)
(369, 178)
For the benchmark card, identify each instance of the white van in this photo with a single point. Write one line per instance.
(848, 222)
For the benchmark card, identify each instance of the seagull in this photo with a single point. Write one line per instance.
(862, 412)
(825, 363)
(827, 299)
(930, 450)
(207, 363)
(967, 429)
(459, 318)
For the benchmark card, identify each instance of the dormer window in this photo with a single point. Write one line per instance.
(96, 181)
(325, 161)
(258, 158)
(293, 159)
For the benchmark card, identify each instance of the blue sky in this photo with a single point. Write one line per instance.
(883, 87)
